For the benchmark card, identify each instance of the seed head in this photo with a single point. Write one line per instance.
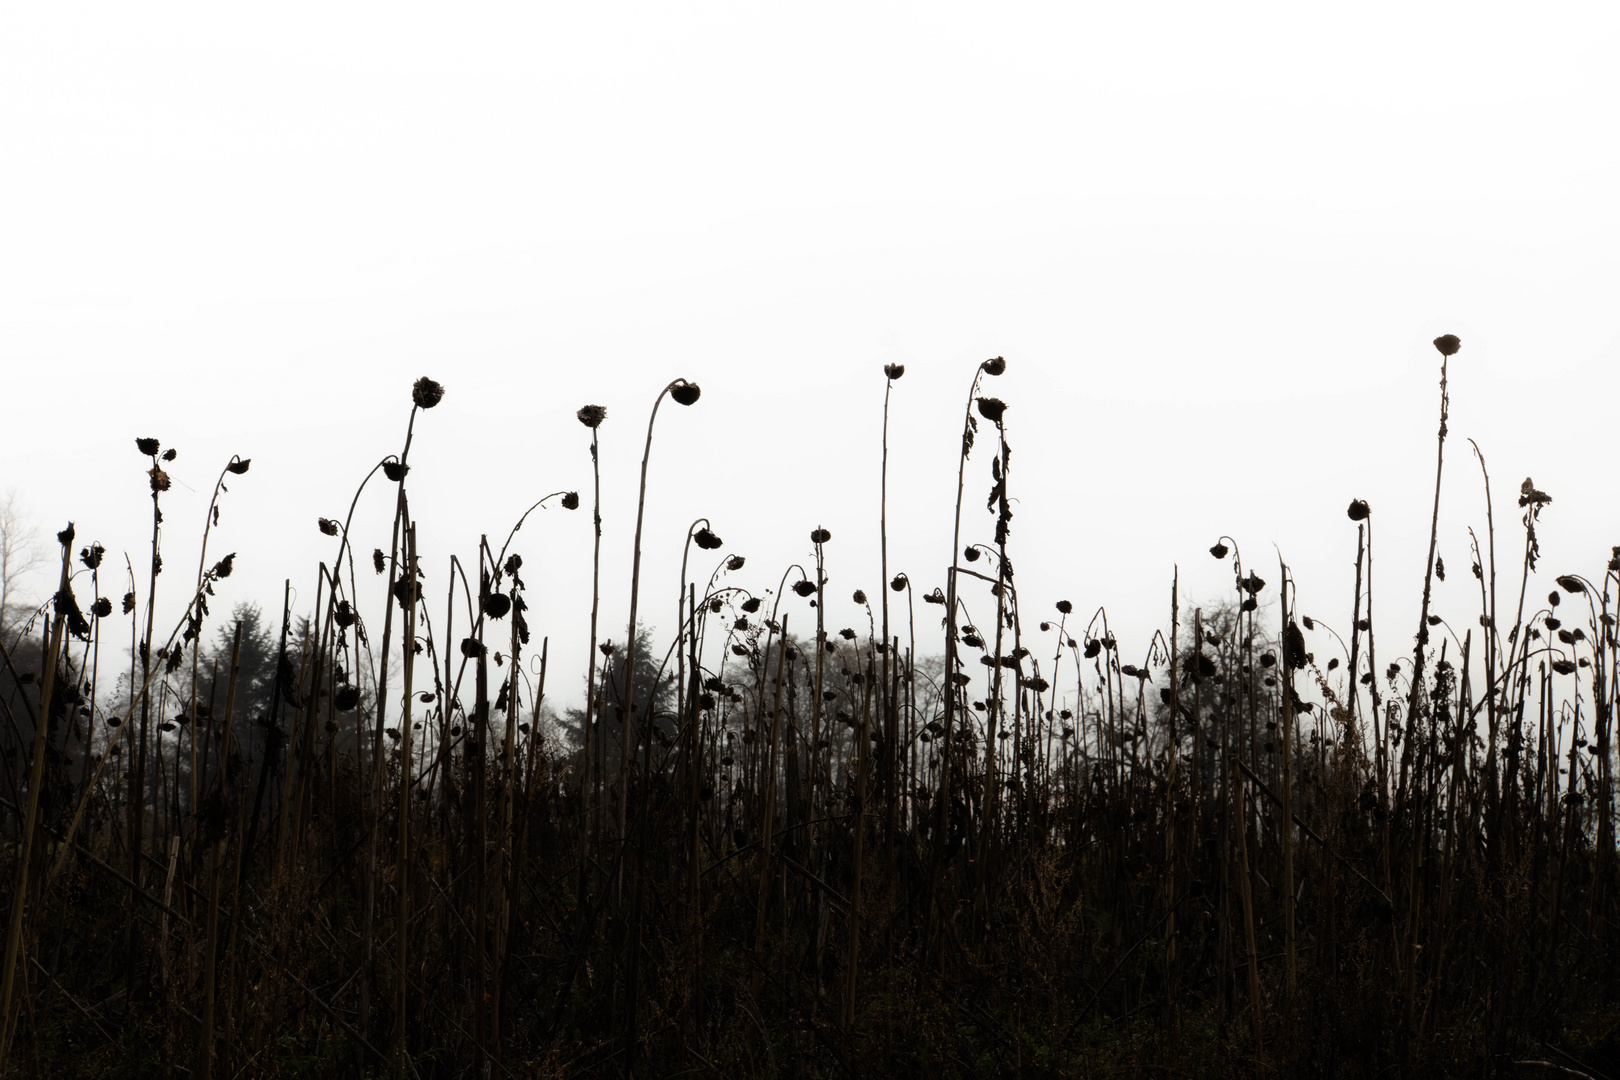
(1219, 550)
(496, 605)
(347, 698)
(993, 366)
(819, 536)
(860, 596)
(92, 555)
(148, 446)
(706, 539)
(1529, 496)
(570, 500)
(751, 604)
(685, 392)
(992, 409)
(328, 526)
(238, 466)
(395, 470)
(894, 371)
(101, 608)
(804, 587)
(426, 393)
(592, 415)
(899, 583)
(378, 561)
(1448, 344)
(736, 562)
(1065, 607)
(170, 454)
(1570, 584)
(1359, 510)
(407, 591)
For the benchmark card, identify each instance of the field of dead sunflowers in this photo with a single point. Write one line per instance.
(975, 836)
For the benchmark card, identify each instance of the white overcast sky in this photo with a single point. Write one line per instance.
(1212, 241)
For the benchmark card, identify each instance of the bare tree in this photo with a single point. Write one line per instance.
(20, 553)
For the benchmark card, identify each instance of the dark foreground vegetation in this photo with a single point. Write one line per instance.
(964, 839)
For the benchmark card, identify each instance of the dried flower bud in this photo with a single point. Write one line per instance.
(379, 562)
(685, 392)
(426, 393)
(860, 596)
(570, 500)
(819, 536)
(1065, 607)
(894, 371)
(1528, 495)
(592, 415)
(899, 583)
(1448, 344)
(407, 591)
(1359, 510)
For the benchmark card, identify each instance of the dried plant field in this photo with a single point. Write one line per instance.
(975, 835)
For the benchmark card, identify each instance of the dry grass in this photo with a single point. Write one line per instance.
(1243, 847)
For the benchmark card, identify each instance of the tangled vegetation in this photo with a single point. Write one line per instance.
(946, 843)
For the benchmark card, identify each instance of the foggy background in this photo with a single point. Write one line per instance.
(1213, 246)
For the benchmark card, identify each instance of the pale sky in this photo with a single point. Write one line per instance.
(1213, 244)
